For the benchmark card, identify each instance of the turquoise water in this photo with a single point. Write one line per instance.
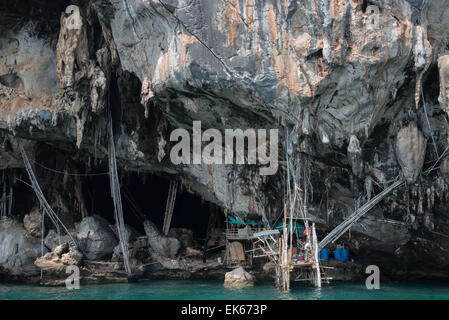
(198, 290)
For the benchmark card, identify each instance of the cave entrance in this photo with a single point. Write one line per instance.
(16, 197)
(144, 196)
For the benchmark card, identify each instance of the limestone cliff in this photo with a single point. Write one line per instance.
(363, 85)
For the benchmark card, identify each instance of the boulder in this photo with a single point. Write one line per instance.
(216, 237)
(410, 151)
(190, 252)
(239, 278)
(185, 236)
(18, 250)
(61, 257)
(130, 233)
(162, 245)
(33, 223)
(96, 238)
(268, 267)
(52, 240)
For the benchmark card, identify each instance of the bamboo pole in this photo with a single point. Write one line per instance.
(316, 270)
(170, 206)
(116, 196)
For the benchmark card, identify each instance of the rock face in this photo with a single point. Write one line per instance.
(162, 245)
(340, 79)
(239, 278)
(96, 237)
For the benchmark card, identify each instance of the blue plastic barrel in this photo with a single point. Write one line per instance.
(337, 254)
(324, 254)
(344, 254)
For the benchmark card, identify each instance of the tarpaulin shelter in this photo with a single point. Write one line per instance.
(297, 227)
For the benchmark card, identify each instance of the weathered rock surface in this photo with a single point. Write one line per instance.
(33, 223)
(443, 66)
(355, 156)
(162, 245)
(239, 278)
(17, 249)
(185, 236)
(130, 233)
(96, 238)
(61, 257)
(410, 151)
(52, 240)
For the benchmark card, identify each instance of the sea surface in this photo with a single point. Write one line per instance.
(199, 290)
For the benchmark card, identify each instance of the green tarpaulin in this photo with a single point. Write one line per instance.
(297, 226)
(235, 221)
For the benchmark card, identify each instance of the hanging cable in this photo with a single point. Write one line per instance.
(116, 196)
(43, 202)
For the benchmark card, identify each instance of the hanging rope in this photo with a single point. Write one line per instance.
(43, 202)
(170, 205)
(116, 196)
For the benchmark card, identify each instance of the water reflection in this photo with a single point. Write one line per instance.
(215, 290)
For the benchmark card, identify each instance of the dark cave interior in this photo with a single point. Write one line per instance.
(144, 196)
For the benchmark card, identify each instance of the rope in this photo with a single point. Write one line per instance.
(170, 205)
(116, 196)
(68, 173)
(427, 172)
(428, 123)
(135, 209)
(37, 190)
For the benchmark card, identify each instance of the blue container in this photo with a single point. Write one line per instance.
(324, 254)
(344, 254)
(337, 254)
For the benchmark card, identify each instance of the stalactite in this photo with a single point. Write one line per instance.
(420, 208)
(368, 187)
